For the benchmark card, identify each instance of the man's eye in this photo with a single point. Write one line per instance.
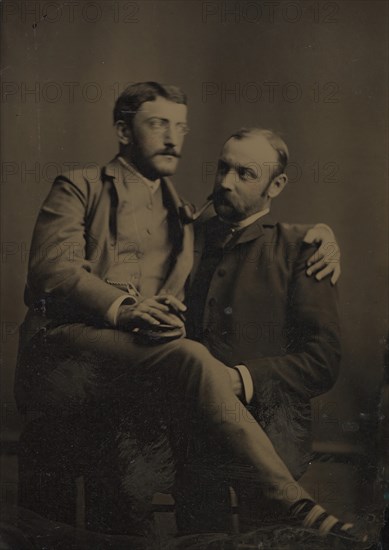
(156, 123)
(247, 174)
(182, 128)
(243, 174)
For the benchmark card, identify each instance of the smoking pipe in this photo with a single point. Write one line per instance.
(189, 215)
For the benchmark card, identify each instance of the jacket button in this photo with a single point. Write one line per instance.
(211, 302)
(221, 272)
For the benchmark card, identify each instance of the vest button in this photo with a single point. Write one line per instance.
(211, 302)
(150, 206)
(221, 272)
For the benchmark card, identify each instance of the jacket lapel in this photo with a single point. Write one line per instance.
(183, 241)
(199, 244)
(206, 232)
(252, 232)
(112, 177)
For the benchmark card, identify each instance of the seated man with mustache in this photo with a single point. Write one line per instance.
(252, 305)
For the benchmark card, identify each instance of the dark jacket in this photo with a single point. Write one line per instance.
(261, 309)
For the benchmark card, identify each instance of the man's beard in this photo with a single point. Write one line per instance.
(226, 209)
(150, 170)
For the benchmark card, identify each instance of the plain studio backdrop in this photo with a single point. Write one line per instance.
(315, 71)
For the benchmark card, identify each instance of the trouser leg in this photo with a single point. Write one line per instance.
(186, 382)
(235, 428)
(202, 488)
(210, 469)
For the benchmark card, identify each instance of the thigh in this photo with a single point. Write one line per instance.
(75, 364)
(172, 374)
(116, 352)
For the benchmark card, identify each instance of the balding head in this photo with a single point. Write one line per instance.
(274, 140)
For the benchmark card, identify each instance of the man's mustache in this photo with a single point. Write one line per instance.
(168, 152)
(219, 196)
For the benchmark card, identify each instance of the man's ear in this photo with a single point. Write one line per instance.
(277, 185)
(123, 132)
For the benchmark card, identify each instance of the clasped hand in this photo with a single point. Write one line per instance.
(162, 310)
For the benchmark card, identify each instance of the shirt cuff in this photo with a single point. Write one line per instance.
(112, 313)
(248, 386)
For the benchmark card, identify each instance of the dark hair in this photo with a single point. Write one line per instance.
(130, 100)
(273, 139)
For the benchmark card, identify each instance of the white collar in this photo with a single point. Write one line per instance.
(152, 185)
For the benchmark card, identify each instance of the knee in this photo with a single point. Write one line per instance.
(194, 358)
(195, 353)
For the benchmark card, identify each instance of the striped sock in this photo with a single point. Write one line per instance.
(312, 516)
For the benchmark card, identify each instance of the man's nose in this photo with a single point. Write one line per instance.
(227, 181)
(170, 136)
